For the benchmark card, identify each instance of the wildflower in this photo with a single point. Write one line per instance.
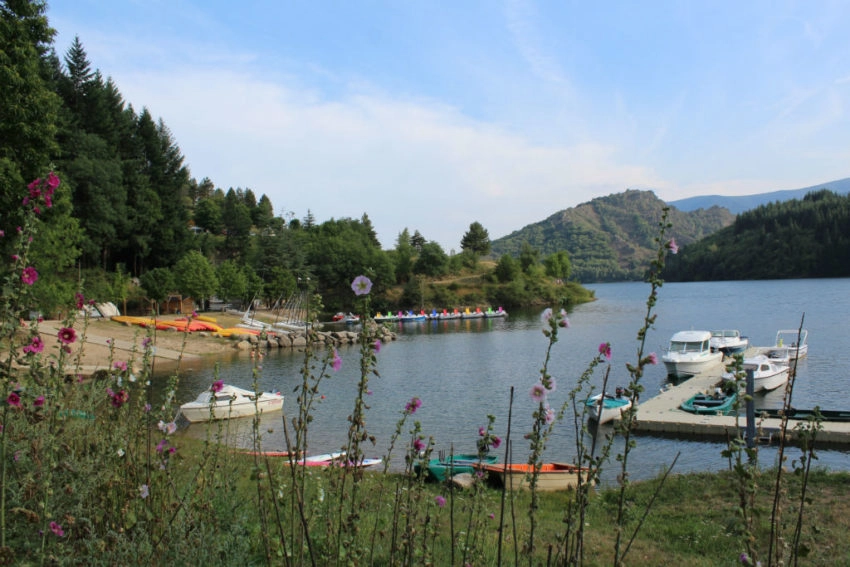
(168, 428)
(144, 491)
(549, 415)
(39, 401)
(217, 386)
(14, 400)
(546, 315)
(81, 301)
(413, 405)
(337, 362)
(492, 516)
(29, 276)
(482, 432)
(441, 501)
(15, 257)
(161, 446)
(120, 452)
(120, 365)
(377, 346)
(652, 358)
(674, 248)
(496, 441)
(418, 445)
(36, 345)
(361, 285)
(52, 181)
(563, 320)
(549, 384)
(538, 392)
(147, 408)
(2, 233)
(67, 335)
(146, 342)
(56, 529)
(605, 349)
(118, 398)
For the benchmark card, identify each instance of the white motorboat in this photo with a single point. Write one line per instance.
(602, 410)
(769, 372)
(230, 401)
(729, 341)
(787, 339)
(690, 354)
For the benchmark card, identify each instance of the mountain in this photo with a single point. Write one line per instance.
(738, 205)
(612, 238)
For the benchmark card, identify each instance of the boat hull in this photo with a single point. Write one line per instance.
(229, 403)
(613, 408)
(688, 367)
(443, 469)
(704, 404)
(552, 476)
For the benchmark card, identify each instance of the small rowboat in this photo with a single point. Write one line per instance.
(710, 404)
(551, 477)
(230, 401)
(794, 413)
(609, 408)
(444, 467)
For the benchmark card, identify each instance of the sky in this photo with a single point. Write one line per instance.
(432, 115)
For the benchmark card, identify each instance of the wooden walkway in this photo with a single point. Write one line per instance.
(661, 415)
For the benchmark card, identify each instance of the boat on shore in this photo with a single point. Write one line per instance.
(550, 477)
(230, 402)
(729, 341)
(444, 467)
(717, 403)
(603, 408)
(690, 354)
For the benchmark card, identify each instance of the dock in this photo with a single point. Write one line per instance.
(661, 415)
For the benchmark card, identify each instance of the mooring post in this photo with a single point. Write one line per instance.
(751, 410)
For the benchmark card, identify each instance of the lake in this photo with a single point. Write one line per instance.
(463, 370)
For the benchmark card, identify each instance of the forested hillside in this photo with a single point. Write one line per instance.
(611, 238)
(808, 238)
(130, 224)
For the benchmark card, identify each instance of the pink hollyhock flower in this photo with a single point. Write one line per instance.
(217, 386)
(440, 501)
(605, 349)
(496, 441)
(538, 392)
(56, 529)
(418, 445)
(29, 276)
(14, 400)
(337, 362)
(36, 345)
(546, 315)
(39, 401)
(482, 432)
(161, 446)
(144, 491)
(120, 365)
(674, 248)
(361, 285)
(52, 181)
(377, 346)
(67, 335)
(413, 405)
(653, 358)
(81, 301)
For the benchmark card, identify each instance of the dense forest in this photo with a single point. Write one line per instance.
(612, 238)
(802, 238)
(130, 224)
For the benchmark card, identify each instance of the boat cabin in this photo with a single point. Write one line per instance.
(690, 341)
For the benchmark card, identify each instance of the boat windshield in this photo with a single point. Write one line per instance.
(687, 346)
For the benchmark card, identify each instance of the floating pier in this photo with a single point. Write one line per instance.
(661, 415)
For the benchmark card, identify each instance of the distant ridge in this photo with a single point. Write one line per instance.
(737, 205)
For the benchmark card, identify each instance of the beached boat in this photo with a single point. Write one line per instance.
(445, 467)
(769, 372)
(603, 409)
(718, 403)
(787, 339)
(551, 477)
(728, 341)
(230, 402)
(335, 460)
(690, 354)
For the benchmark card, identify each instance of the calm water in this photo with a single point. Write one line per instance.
(464, 370)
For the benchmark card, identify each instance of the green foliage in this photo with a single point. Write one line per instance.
(558, 265)
(195, 277)
(476, 240)
(232, 282)
(432, 260)
(507, 269)
(793, 239)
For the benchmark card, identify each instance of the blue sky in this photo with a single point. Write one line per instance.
(433, 115)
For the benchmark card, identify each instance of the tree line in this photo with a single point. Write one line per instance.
(130, 219)
(801, 238)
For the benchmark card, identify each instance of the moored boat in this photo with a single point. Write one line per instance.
(718, 403)
(729, 341)
(604, 408)
(795, 413)
(769, 372)
(788, 339)
(230, 402)
(492, 313)
(690, 354)
(550, 477)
